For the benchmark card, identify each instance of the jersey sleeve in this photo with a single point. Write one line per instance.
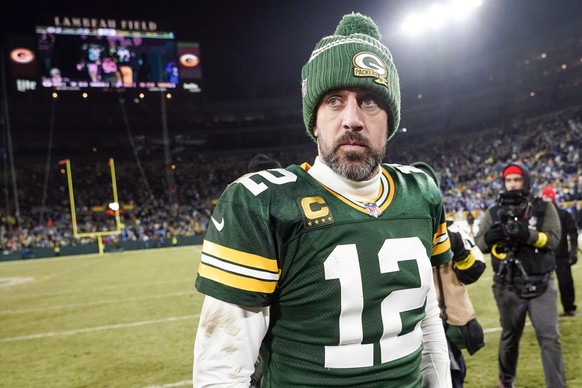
(441, 246)
(238, 263)
(226, 349)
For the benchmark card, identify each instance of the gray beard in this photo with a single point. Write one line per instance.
(355, 167)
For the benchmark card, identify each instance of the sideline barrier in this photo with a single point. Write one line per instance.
(93, 248)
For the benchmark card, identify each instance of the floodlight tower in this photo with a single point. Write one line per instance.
(9, 147)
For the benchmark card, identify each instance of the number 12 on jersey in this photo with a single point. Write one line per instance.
(343, 264)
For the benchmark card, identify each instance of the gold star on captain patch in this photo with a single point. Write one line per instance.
(315, 211)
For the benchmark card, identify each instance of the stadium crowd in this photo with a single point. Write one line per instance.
(470, 162)
(154, 211)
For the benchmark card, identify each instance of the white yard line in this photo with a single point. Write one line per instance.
(170, 385)
(124, 285)
(494, 329)
(96, 303)
(89, 255)
(98, 328)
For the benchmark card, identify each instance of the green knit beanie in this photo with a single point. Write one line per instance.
(351, 58)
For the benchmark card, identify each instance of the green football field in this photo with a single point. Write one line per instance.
(129, 319)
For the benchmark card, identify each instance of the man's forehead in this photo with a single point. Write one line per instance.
(359, 91)
(513, 177)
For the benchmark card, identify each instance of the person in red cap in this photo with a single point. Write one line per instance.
(565, 257)
(521, 232)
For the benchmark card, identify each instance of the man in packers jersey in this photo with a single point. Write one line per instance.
(325, 270)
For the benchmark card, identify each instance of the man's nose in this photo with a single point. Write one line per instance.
(353, 115)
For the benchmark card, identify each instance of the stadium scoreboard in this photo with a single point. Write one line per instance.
(85, 53)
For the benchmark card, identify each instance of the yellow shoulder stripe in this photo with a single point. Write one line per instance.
(236, 281)
(239, 257)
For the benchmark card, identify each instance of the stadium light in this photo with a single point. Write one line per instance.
(438, 15)
(413, 24)
(461, 9)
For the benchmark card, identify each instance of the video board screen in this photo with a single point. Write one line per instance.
(189, 66)
(75, 58)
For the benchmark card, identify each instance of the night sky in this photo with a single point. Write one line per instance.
(257, 48)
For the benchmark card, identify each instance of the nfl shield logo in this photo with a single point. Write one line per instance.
(372, 209)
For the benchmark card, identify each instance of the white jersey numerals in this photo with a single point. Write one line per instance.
(343, 264)
(406, 169)
(257, 188)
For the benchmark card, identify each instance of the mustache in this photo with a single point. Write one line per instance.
(352, 138)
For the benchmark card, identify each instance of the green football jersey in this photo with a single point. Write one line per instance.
(346, 281)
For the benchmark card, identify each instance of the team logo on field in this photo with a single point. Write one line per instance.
(315, 212)
(368, 64)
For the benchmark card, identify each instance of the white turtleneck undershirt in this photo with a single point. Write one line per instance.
(362, 191)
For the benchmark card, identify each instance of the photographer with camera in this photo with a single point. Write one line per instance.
(520, 232)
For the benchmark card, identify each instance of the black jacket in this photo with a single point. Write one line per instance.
(536, 259)
(568, 230)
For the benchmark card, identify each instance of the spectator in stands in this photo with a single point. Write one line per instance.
(566, 253)
(326, 268)
(470, 220)
(521, 232)
(262, 162)
(462, 329)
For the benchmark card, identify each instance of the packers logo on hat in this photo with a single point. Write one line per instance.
(353, 57)
(367, 64)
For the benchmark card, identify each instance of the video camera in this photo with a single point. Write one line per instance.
(513, 207)
(512, 198)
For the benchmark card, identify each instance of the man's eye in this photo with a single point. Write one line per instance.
(369, 101)
(333, 101)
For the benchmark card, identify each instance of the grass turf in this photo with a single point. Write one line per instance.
(129, 319)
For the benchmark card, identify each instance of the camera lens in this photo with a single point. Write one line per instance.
(512, 228)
